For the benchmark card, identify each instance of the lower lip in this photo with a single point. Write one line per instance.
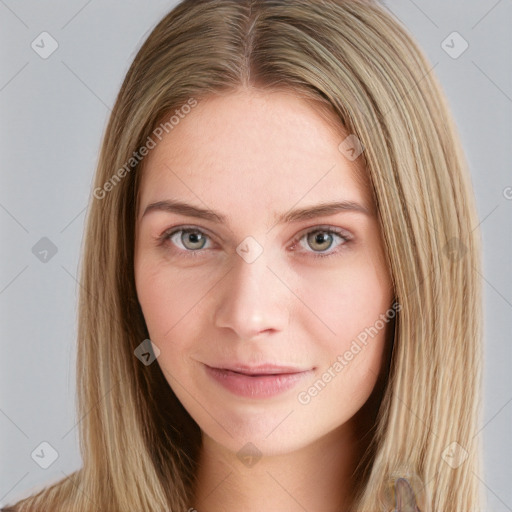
(262, 386)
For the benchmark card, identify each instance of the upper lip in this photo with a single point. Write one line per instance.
(264, 369)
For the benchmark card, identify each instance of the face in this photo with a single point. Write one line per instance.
(261, 303)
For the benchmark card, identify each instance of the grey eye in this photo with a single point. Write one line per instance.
(320, 240)
(192, 240)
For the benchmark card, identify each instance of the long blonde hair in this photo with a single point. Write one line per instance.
(139, 445)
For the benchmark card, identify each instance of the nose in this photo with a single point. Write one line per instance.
(252, 300)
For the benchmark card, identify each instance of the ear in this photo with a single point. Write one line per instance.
(405, 501)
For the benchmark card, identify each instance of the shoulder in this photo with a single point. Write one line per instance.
(10, 508)
(55, 496)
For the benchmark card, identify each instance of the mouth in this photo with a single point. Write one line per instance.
(258, 371)
(261, 381)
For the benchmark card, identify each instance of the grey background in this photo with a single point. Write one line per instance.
(53, 113)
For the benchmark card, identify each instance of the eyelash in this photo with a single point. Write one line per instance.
(167, 235)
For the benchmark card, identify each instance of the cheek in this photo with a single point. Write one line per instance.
(346, 300)
(169, 314)
(353, 302)
(169, 299)
(174, 303)
(350, 364)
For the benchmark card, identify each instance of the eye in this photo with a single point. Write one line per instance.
(319, 242)
(322, 242)
(187, 239)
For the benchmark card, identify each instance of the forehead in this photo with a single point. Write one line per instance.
(253, 149)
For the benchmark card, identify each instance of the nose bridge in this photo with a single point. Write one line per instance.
(253, 300)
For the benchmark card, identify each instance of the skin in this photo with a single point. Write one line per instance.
(251, 156)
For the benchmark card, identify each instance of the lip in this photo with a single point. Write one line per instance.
(262, 381)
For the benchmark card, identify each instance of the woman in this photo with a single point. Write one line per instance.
(280, 307)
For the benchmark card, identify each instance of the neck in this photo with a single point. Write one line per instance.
(317, 476)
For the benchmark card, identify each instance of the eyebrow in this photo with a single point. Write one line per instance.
(322, 209)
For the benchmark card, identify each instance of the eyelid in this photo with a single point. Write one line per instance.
(324, 227)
